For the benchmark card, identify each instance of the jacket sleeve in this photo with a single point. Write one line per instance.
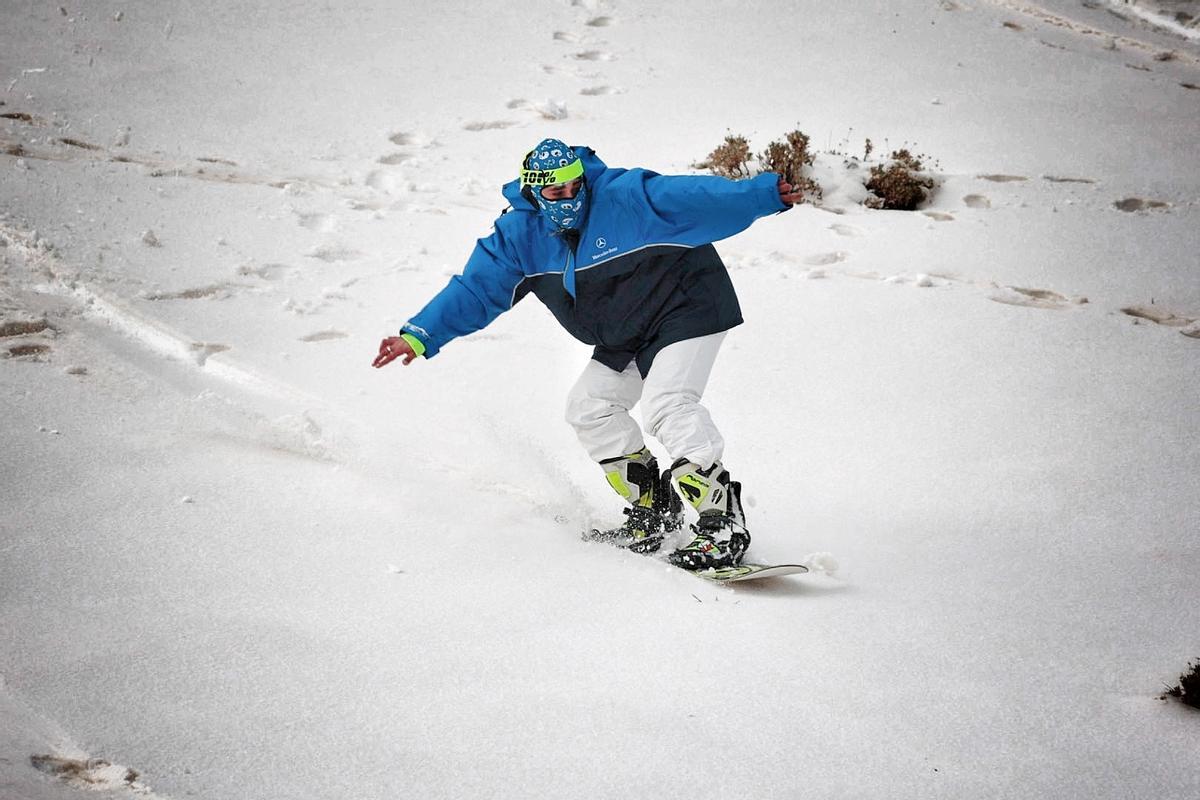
(471, 300)
(700, 209)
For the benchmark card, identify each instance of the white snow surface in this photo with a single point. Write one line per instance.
(239, 562)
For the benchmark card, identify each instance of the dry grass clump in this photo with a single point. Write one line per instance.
(899, 184)
(1188, 690)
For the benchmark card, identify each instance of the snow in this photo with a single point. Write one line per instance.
(239, 562)
(1164, 15)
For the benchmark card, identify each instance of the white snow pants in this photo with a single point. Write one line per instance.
(598, 405)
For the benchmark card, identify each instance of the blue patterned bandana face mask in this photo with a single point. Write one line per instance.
(549, 164)
(566, 213)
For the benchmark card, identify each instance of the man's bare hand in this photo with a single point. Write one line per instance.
(390, 349)
(790, 195)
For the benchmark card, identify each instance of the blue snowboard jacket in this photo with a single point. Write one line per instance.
(640, 274)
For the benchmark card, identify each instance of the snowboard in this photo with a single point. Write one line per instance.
(742, 572)
(748, 572)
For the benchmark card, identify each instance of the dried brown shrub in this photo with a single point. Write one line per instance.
(731, 159)
(790, 158)
(899, 184)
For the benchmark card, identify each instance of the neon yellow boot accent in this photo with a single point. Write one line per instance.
(619, 485)
(633, 476)
(694, 489)
(704, 489)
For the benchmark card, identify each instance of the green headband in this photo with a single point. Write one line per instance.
(550, 177)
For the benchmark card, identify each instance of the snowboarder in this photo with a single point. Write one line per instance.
(624, 260)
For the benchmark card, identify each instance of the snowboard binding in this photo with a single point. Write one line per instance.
(719, 537)
(655, 510)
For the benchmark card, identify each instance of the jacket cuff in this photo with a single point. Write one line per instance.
(773, 205)
(418, 346)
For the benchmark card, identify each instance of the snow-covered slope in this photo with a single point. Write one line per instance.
(242, 563)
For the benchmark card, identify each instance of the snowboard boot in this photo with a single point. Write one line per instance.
(654, 509)
(719, 537)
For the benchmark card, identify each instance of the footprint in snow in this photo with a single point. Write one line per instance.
(1060, 179)
(939, 216)
(28, 351)
(845, 230)
(825, 259)
(324, 336)
(332, 253)
(1189, 326)
(28, 338)
(1053, 46)
(89, 773)
(28, 119)
(551, 109)
(1132, 204)
(305, 308)
(268, 272)
(1003, 178)
(1033, 298)
(599, 22)
(593, 55)
(593, 91)
(564, 36)
(977, 201)
(394, 159)
(80, 144)
(492, 125)
(202, 351)
(23, 327)
(323, 223)
(215, 291)
(386, 181)
(921, 280)
(410, 139)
